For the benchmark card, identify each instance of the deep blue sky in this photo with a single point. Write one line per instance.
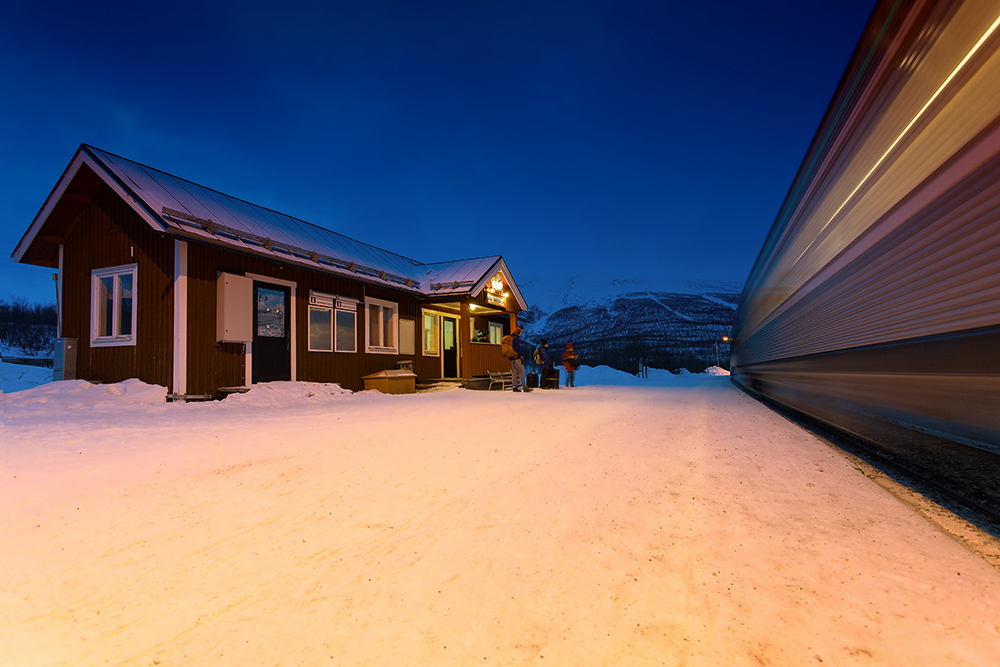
(626, 138)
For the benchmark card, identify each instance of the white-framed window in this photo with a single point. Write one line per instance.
(383, 326)
(332, 323)
(320, 329)
(345, 330)
(496, 332)
(432, 324)
(112, 306)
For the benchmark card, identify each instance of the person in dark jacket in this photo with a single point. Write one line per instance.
(521, 350)
(548, 365)
(543, 352)
(569, 363)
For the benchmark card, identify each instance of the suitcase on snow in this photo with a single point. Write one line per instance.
(532, 380)
(550, 378)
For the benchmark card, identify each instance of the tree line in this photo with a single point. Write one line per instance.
(27, 328)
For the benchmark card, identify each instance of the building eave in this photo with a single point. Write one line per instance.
(500, 266)
(83, 157)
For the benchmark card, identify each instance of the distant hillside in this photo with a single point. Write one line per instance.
(660, 329)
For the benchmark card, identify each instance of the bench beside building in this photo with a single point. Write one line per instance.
(182, 286)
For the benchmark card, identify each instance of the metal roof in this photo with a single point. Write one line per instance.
(458, 275)
(469, 276)
(184, 208)
(213, 216)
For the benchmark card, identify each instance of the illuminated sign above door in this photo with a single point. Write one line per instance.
(495, 293)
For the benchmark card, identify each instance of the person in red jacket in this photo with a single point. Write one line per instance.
(569, 363)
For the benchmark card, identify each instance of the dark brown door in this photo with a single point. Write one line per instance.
(272, 349)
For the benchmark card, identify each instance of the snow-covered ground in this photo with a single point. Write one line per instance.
(16, 377)
(664, 521)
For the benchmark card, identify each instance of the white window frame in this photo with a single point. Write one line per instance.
(427, 352)
(499, 327)
(354, 313)
(334, 305)
(370, 304)
(115, 272)
(329, 313)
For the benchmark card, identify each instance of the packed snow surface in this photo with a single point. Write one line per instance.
(669, 521)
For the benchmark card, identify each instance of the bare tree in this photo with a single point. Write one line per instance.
(29, 328)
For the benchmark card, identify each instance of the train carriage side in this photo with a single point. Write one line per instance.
(874, 305)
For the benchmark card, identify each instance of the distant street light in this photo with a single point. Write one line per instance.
(725, 339)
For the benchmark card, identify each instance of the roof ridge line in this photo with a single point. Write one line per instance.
(250, 203)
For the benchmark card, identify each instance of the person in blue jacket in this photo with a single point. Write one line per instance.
(548, 365)
(543, 352)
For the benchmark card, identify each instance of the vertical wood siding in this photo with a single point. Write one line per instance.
(213, 365)
(486, 358)
(429, 367)
(481, 358)
(109, 233)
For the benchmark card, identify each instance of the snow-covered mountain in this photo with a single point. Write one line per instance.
(627, 323)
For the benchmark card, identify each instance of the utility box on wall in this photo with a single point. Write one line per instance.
(234, 308)
(64, 359)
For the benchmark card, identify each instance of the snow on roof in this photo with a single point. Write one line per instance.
(187, 209)
(457, 276)
(469, 276)
(205, 213)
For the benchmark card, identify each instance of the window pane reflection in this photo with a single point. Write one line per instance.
(270, 313)
(106, 306)
(346, 340)
(320, 330)
(374, 337)
(387, 328)
(125, 301)
(430, 334)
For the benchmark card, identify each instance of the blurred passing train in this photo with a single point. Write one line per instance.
(874, 305)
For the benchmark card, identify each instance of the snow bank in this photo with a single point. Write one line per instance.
(655, 377)
(277, 394)
(15, 377)
(83, 394)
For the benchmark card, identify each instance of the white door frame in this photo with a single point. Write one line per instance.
(248, 366)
